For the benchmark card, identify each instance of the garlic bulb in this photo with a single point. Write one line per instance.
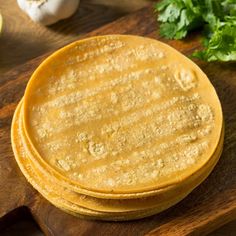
(47, 12)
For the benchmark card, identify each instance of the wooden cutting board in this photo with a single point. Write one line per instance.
(208, 207)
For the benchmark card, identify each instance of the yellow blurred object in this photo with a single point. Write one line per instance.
(0, 23)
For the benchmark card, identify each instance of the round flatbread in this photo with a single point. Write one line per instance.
(56, 194)
(111, 205)
(121, 114)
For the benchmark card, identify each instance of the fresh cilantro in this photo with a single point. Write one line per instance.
(177, 17)
(221, 46)
(216, 17)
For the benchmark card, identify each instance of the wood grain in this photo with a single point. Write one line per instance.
(209, 206)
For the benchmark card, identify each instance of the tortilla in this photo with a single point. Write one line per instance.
(121, 114)
(56, 194)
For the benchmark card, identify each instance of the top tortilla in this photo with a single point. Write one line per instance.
(122, 114)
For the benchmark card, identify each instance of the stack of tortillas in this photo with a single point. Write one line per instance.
(117, 127)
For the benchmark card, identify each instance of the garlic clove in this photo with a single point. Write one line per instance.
(47, 12)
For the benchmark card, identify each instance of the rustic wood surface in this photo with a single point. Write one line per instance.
(212, 204)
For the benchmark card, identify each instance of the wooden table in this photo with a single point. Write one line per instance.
(23, 40)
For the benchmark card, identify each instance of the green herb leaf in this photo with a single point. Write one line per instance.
(222, 44)
(216, 17)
